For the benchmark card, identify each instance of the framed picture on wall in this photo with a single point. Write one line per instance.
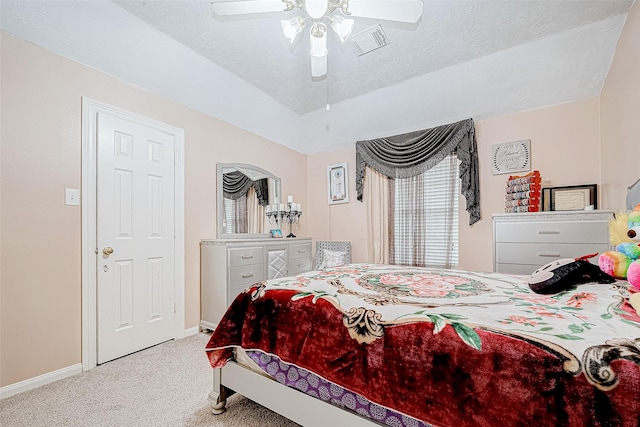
(338, 183)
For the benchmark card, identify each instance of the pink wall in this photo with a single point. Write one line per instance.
(40, 156)
(40, 247)
(564, 145)
(344, 221)
(620, 112)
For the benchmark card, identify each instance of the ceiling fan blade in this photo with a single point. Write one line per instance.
(389, 10)
(248, 6)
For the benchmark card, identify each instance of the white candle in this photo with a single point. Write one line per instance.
(282, 207)
(289, 199)
(299, 207)
(268, 209)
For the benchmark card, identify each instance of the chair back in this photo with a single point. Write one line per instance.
(334, 246)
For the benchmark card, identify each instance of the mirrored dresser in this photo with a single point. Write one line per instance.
(227, 267)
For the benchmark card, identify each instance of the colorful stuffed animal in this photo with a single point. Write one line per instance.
(624, 262)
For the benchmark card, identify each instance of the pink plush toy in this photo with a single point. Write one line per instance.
(624, 262)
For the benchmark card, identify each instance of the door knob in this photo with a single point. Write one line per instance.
(107, 251)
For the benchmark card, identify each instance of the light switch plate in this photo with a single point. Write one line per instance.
(72, 197)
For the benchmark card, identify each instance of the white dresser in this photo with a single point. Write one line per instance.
(522, 242)
(227, 267)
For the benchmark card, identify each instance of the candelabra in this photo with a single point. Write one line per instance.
(288, 214)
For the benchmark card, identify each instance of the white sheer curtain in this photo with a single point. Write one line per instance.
(376, 196)
(255, 213)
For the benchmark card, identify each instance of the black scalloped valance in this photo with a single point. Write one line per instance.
(236, 184)
(411, 154)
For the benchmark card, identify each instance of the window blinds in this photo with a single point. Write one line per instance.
(425, 217)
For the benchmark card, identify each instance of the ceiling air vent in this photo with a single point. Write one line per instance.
(370, 39)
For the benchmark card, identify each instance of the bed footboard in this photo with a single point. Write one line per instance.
(219, 393)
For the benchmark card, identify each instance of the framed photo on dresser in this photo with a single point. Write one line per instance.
(570, 198)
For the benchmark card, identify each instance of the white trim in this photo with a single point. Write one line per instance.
(40, 380)
(191, 332)
(90, 109)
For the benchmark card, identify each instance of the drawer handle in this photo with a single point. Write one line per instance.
(302, 251)
(247, 275)
(548, 232)
(247, 256)
(549, 254)
(301, 265)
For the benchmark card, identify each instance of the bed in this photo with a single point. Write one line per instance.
(367, 344)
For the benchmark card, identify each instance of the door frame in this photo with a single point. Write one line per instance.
(90, 110)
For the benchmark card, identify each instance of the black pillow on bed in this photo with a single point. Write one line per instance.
(563, 274)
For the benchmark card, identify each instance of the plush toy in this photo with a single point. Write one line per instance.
(563, 274)
(624, 262)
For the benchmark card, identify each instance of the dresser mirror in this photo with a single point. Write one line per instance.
(243, 191)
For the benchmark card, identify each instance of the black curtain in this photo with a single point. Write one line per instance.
(236, 184)
(411, 154)
(262, 191)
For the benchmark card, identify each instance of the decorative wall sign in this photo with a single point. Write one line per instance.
(337, 182)
(511, 157)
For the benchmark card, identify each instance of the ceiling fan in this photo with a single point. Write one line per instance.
(321, 12)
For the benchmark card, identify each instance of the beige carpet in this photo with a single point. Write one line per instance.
(166, 385)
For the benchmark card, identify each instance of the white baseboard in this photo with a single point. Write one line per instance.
(50, 377)
(191, 331)
(40, 380)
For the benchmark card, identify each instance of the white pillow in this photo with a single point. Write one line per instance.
(332, 259)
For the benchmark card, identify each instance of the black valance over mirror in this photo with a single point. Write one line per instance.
(236, 185)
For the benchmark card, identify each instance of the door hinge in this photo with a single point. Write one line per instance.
(175, 308)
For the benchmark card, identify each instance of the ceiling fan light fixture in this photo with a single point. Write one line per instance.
(322, 13)
(318, 66)
(318, 40)
(342, 26)
(292, 27)
(316, 8)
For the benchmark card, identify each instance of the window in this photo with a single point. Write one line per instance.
(425, 217)
(235, 215)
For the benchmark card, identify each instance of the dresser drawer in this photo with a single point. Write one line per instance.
(246, 256)
(520, 269)
(539, 254)
(553, 232)
(300, 265)
(246, 274)
(300, 251)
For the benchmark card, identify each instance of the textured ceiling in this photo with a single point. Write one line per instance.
(462, 59)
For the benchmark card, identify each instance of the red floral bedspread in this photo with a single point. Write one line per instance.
(451, 348)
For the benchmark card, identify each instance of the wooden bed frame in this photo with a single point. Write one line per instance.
(288, 402)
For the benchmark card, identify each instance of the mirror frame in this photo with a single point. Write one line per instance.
(219, 197)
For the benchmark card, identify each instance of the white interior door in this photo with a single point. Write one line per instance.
(135, 237)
